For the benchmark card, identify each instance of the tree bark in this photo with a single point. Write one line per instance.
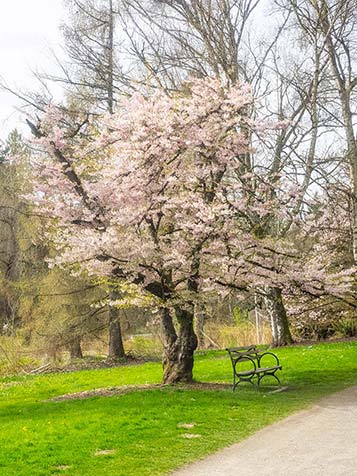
(279, 324)
(200, 318)
(75, 349)
(179, 346)
(116, 346)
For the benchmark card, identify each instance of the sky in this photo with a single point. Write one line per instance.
(29, 29)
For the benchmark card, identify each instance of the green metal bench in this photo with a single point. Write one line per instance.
(248, 365)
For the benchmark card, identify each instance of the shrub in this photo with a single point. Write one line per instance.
(15, 357)
(314, 330)
(346, 327)
(244, 333)
(145, 345)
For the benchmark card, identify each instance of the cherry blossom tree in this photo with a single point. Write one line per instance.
(155, 195)
(140, 198)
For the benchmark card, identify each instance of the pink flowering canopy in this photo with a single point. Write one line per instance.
(157, 191)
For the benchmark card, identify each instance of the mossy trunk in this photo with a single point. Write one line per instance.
(279, 323)
(200, 318)
(116, 346)
(75, 349)
(179, 346)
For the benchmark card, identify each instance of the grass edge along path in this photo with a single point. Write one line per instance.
(152, 432)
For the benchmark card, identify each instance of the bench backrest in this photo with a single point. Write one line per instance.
(243, 353)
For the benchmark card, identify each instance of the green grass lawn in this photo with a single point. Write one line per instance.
(142, 428)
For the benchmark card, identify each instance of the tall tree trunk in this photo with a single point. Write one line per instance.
(116, 346)
(278, 318)
(178, 346)
(110, 52)
(75, 348)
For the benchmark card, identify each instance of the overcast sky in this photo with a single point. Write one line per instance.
(28, 31)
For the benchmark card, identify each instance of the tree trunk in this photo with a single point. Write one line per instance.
(278, 319)
(345, 98)
(75, 349)
(116, 346)
(110, 51)
(200, 318)
(178, 347)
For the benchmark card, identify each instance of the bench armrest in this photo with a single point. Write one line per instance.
(260, 357)
(244, 358)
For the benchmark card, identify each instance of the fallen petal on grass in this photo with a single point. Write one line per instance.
(185, 425)
(104, 452)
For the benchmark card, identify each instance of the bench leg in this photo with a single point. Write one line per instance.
(240, 379)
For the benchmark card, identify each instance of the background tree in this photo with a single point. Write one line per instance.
(90, 73)
(14, 232)
(334, 24)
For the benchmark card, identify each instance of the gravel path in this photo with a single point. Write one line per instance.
(321, 441)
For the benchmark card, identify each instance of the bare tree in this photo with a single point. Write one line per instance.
(93, 76)
(171, 40)
(90, 71)
(335, 23)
